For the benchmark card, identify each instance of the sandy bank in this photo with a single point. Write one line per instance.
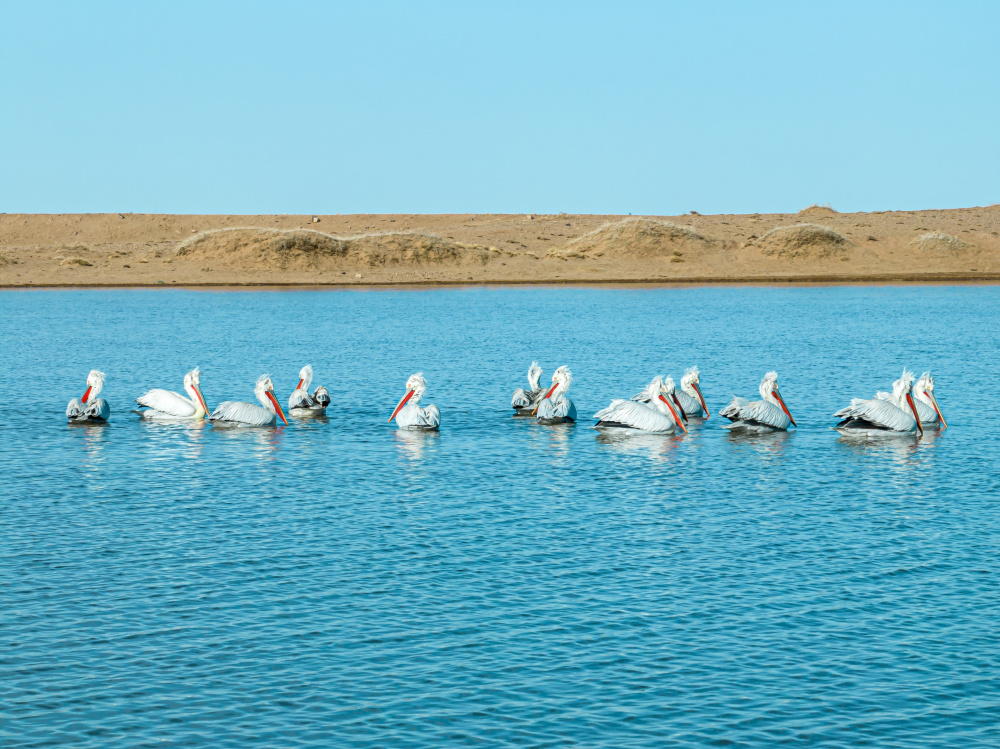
(816, 244)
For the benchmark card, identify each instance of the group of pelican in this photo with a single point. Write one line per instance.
(661, 407)
(167, 405)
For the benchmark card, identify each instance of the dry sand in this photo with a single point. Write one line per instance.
(816, 244)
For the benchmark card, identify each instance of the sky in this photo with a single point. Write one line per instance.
(439, 107)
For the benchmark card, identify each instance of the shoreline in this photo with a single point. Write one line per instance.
(817, 245)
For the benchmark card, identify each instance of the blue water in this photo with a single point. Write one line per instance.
(499, 583)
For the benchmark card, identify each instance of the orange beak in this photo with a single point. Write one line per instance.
(551, 391)
(201, 399)
(697, 389)
(784, 407)
(680, 408)
(402, 402)
(86, 394)
(673, 413)
(277, 407)
(299, 386)
(916, 416)
(933, 400)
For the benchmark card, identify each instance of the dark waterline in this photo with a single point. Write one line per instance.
(500, 583)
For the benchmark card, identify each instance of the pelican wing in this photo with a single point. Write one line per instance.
(525, 398)
(168, 402)
(74, 409)
(300, 399)
(732, 411)
(690, 404)
(238, 412)
(560, 409)
(642, 397)
(97, 410)
(764, 413)
(927, 414)
(322, 396)
(880, 414)
(634, 415)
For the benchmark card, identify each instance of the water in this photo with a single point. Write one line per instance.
(499, 583)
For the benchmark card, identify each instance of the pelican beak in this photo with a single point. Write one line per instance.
(697, 389)
(933, 400)
(916, 416)
(86, 394)
(201, 400)
(402, 402)
(277, 406)
(299, 386)
(784, 407)
(680, 408)
(551, 391)
(673, 413)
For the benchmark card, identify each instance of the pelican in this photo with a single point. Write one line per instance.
(90, 408)
(524, 401)
(669, 390)
(897, 415)
(408, 414)
(767, 415)
(166, 404)
(690, 397)
(237, 414)
(661, 416)
(303, 405)
(927, 405)
(555, 407)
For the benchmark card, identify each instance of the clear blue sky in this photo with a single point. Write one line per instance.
(174, 107)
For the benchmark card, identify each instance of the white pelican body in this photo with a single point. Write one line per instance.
(408, 413)
(690, 397)
(657, 414)
(876, 417)
(166, 404)
(555, 407)
(238, 414)
(303, 405)
(524, 401)
(767, 415)
(90, 409)
(923, 398)
(669, 391)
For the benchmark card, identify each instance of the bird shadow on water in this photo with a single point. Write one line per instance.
(94, 437)
(904, 449)
(659, 447)
(415, 445)
(767, 445)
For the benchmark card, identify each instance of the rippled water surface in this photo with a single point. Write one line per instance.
(340, 583)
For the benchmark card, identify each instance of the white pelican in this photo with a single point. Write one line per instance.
(166, 404)
(927, 405)
(898, 415)
(555, 407)
(303, 405)
(235, 413)
(408, 414)
(524, 401)
(669, 390)
(90, 408)
(767, 415)
(690, 397)
(658, 414)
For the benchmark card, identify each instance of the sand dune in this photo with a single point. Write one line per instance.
(816, 244)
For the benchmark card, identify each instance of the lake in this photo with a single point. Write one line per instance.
(499, 583)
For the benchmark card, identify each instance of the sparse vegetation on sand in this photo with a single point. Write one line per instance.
(937, 241)
(636, 238)
(806, 241)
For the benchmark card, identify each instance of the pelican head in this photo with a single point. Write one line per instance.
(416, 385)
(666, 394)
(534, 374)
(95, 383)
(192, 384)
(562, 378)
(264, 390)
(670, 390)
(923, 389)
(305, 377)
(902, 396)
(691, 384)
(769, 392)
